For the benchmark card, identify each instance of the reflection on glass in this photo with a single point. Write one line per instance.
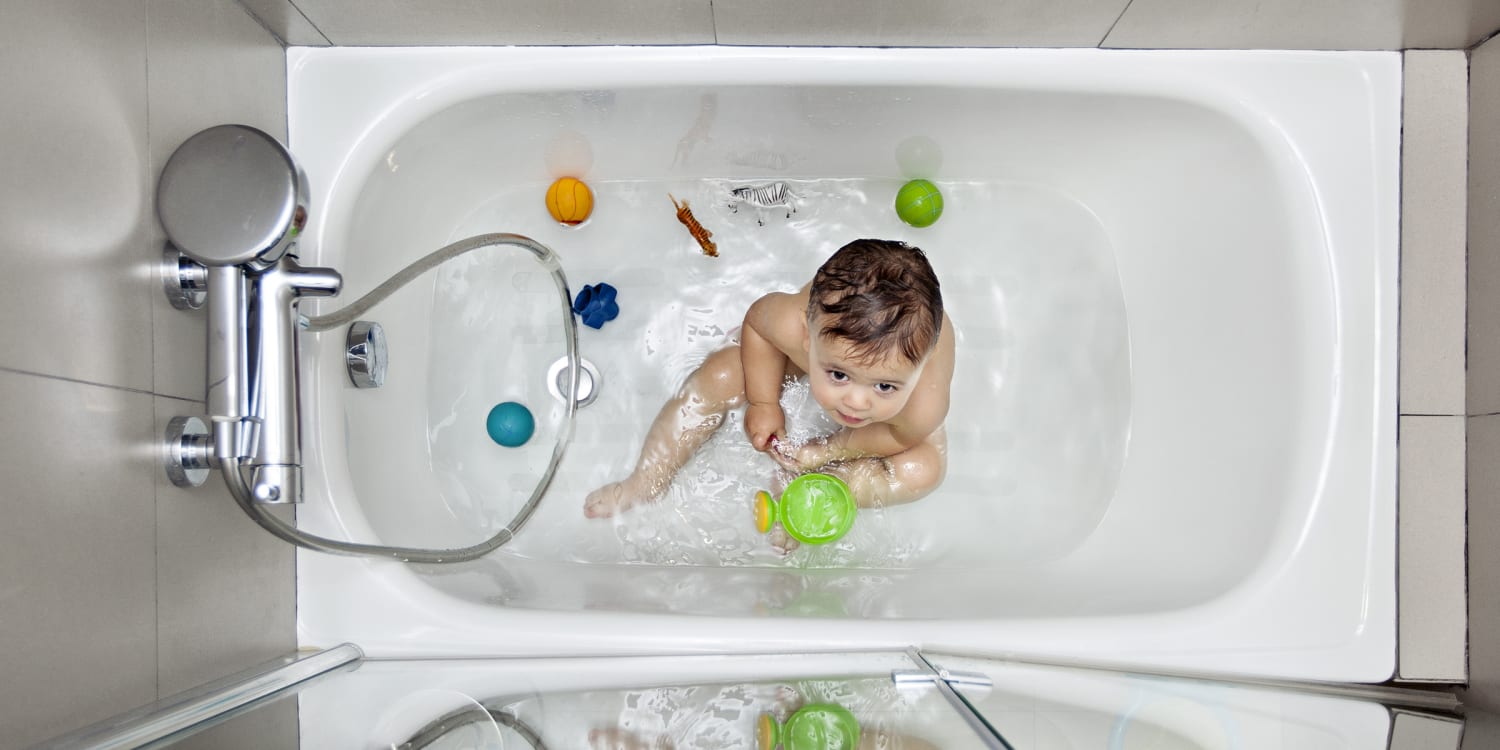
(1056, 707)
(868, 701)
(842, 713)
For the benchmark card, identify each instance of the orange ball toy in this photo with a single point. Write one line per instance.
(570, 201)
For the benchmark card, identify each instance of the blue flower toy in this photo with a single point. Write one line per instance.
(595, 305)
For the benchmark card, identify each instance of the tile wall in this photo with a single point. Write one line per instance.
(1484, 375)
(115, 587)
(1232, 24)
(1431, 435)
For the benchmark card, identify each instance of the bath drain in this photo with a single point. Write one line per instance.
(588, 380)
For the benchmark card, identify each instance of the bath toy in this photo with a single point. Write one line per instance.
(814, 509)
(685, 215)
(595, 305)
(510, 424)
(816, 726)
(919, 203)
(762, 197)
(570, 201)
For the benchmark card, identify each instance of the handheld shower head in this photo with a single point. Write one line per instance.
(232, 195)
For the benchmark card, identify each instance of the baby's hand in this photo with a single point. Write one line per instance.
(763, 422)
(809, 456)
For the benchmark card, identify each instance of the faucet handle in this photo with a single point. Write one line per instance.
(232, 195)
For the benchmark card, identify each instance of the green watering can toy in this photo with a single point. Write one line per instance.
(814, 509)
(817, 726)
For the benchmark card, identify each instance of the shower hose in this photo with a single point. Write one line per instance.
(233, 468)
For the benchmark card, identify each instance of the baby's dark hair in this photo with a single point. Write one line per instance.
(882, 297)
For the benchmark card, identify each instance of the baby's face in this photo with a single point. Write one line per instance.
(856, 393)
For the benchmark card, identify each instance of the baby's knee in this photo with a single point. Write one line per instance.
(722, 373)
(919, 471)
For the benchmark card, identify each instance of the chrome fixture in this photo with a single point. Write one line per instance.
(253, 285)
(189, 451)
(183, 279)
(589, 381)
(233, 202)
(364, 354)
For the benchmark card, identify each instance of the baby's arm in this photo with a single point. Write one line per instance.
(871, 441)
(764, 365)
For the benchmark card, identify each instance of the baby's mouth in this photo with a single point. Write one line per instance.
(846, 419)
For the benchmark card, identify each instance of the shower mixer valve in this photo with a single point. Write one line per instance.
(233, 202)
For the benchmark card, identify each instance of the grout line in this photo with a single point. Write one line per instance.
(1470, 49)
(261, 23)
(309, 22)
(1112, 26)
(80, 381)
(713, 21)
(1465, 416)
(1430, 414)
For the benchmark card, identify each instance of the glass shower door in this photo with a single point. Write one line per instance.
(833, 701)
(1052, 707)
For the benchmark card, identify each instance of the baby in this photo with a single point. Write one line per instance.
(870, 333)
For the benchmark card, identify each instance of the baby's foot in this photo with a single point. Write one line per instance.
(617, 739)
(781, 541)
(616, 497)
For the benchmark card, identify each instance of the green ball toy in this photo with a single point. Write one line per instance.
(919, 203)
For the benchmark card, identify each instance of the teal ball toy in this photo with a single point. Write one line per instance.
(510, 424)
(919, 203)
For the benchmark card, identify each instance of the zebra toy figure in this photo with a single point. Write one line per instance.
(763, 197)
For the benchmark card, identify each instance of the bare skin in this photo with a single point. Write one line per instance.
(890, 447)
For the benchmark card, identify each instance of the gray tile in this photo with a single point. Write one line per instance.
(1434, 151)
(1431, 596)
(270, 727)
(77, 555)
(211, 64)
(463, 22)
(1296, 24)
(1484, 229)
(1418, 732)
(226, 597)
(1481, 728)
(74, 201)
(1484, 559)
(939, 23)
(286, 22)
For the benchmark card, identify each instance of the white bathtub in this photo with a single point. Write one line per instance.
(1172, 275)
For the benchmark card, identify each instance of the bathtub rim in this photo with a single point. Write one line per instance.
(1375, 640)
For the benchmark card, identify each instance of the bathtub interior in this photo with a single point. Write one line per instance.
(1139, 285)
(714, 702)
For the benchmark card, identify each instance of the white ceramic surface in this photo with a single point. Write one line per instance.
(1172, 275)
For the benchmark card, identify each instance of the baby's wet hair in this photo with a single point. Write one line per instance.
(880, 296)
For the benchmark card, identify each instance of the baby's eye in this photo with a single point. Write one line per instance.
(837, 376)
(886, 388)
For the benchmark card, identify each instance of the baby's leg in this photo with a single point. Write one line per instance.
(684, 424)
(902, 478)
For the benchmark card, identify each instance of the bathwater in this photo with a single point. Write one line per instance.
(1039, 422)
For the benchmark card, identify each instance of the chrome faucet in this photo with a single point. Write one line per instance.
(232, 199)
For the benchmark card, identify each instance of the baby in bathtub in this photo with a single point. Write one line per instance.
(870, 333)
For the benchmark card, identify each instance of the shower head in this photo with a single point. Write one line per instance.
(232, 195)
